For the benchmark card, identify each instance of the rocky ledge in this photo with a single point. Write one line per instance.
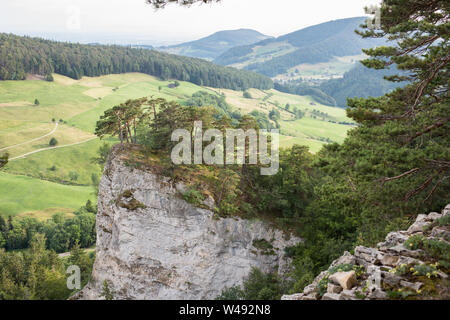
(151, 244)
(411, 264)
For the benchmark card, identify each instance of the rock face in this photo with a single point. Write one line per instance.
(397, 266)
(151, 244)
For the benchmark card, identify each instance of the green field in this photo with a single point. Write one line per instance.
(21, 194)
(45, 181)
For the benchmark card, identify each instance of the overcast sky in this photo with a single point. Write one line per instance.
(133, 21)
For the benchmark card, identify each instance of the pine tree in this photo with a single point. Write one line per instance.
(3, 160)
(396, 163)
(107, 293)
(53, 142)
(413, 120)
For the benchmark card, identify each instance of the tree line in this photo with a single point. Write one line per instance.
(38, 273)
(20, 56)
(61, 233)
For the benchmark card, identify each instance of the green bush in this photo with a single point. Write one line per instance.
(265, 247)
(425, 270)
(53, 142)
(444, 221)
(257, 286)
(399, 294)
(233, 293)
(414, 242)
(193, 196)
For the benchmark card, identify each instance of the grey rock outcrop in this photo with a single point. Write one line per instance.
(151, 244)
(392, 266)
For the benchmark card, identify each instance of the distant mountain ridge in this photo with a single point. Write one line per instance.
(315, 44)
(214, 45)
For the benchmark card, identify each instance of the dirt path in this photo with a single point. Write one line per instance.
(67, 254)
(51, 148)
(32, 140)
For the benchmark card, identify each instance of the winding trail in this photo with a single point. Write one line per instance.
(67, 254)
(51, 148)
(32, 140)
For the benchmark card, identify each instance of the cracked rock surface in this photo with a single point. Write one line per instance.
(153, 245)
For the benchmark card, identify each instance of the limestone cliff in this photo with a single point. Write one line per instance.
(411, 264)
(151, 244)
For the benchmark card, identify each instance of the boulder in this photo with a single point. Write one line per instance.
(349, 294)
(346, 258)
(394, 238)
(308, 297)
(366, 256)
(440, 232)
(401, 250)
(446, 211)
(309, 289)
(297, 296)
(346, 280)
(209, 202)
(333, 288)
(414, 286)
(377, 294)
(181, 187)
(408, 261)
(418, 227)
(331, 296)
(434, 216)
(390, 278)
(389, 260)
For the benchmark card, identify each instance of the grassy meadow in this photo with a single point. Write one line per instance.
(40, 181)
(22, 194)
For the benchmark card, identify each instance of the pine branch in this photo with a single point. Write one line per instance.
(438, 124)
(384, 180)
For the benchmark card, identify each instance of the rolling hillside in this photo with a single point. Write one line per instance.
(214, 45)
(359, 82)
(20, 56)
(332, 48)
(44, 177)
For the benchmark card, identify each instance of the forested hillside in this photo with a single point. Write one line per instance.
(359, 82)
(20, 56)
(214, 45)
(314, 44)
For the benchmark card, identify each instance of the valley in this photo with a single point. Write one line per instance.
(317, 73)
(67, 110)
(327, 50)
